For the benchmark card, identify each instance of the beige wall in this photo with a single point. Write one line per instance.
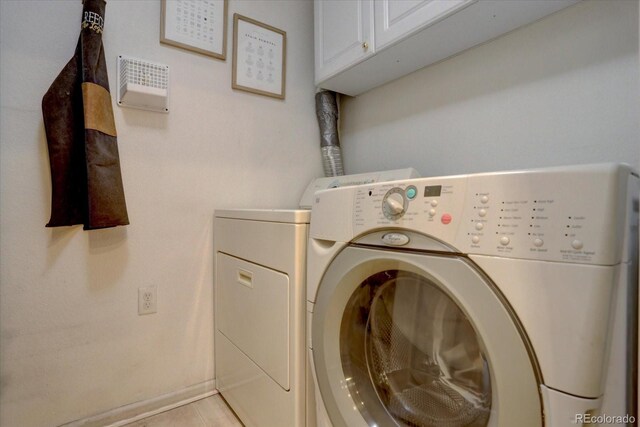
(563, 90)
(72, 344)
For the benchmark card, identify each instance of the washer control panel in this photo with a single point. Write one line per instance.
(415, 205)
(562, 214)
(559, 216)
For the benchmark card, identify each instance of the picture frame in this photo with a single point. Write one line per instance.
(196, 25)
(259, 57)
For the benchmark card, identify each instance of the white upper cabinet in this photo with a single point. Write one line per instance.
(343, 35)
(396, 19)
(362, 44)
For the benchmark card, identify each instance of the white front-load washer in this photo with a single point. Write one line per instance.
(502, 299)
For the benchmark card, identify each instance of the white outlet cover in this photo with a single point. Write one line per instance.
(148, 300)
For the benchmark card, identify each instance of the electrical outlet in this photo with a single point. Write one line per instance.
(148, 300)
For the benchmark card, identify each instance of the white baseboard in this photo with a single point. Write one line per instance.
(146, 408)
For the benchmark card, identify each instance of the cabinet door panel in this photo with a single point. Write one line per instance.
(343, 34)
(396, 19)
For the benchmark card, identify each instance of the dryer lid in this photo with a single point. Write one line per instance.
(289, 216)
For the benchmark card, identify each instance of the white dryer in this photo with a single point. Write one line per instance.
(502, 299)
(259, 314)
(260, 293)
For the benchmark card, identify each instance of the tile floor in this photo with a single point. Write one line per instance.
(210, 412)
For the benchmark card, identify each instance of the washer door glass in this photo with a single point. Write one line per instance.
(410, 351)
(418, 339)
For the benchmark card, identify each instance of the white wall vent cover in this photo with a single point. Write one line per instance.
(143, 84)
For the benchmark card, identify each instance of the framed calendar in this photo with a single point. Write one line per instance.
(196, 25)
(259, 57)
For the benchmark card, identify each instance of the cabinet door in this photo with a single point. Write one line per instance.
(396, 19)
(343, 35)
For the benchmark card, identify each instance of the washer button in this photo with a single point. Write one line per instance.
(475, 239)
(484, 199)
(482, 213)
(432, 212)
(479, 226)
(538, 242)
(577, 244)
(504, 240)
(446, 218)
(411, 192)
(434, 203)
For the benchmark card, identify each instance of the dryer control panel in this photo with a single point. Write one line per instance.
(574, 214)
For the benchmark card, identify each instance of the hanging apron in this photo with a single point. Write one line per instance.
(81, 135)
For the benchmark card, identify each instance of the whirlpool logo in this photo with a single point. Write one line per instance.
(93, 21)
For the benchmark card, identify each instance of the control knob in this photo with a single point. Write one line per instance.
(394, 204)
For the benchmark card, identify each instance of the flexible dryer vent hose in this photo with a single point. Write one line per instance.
(327, 113)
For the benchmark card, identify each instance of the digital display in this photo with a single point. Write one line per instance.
(432, 190)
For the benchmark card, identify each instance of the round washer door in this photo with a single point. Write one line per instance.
(414, 339)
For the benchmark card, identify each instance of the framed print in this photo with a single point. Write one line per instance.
(196, 25)
(259, 57)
